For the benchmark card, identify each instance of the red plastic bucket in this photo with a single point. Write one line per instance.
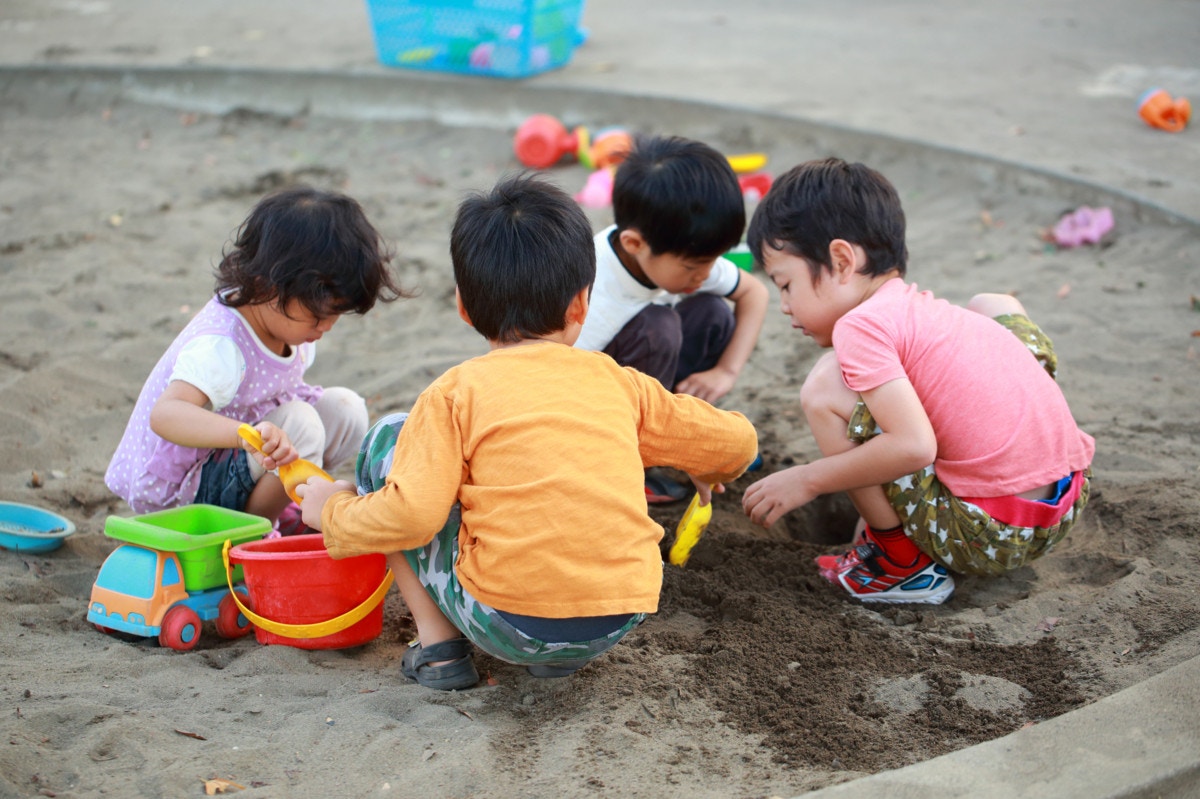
(293, 581)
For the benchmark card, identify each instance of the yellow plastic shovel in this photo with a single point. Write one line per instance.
(747, 162)
(695, 520)
(290, 474)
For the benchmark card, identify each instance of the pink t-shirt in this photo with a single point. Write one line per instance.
(1001, 422)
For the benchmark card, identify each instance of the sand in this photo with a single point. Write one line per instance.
(755, 678)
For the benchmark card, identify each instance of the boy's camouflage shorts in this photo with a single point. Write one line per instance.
(434, 566)
(957, 534)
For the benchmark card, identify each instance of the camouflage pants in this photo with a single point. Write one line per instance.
(958, 534)
(434, 566)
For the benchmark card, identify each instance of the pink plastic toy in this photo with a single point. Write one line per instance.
(1083, 226)
(597, 191)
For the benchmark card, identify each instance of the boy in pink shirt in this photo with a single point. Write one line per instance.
(954, 443)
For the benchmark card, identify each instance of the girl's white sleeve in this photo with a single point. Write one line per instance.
(214, 365)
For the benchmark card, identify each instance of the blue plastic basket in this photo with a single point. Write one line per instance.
(498, 38)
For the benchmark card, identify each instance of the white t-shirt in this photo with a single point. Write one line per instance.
(215, 364)
(617, 296)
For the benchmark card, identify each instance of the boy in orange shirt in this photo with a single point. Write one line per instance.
(510, 500)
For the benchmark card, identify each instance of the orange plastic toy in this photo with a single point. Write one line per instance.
(609, 148)
(542, 141)
(1159, 110)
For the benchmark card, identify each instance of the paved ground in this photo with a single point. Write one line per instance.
(1051, 86)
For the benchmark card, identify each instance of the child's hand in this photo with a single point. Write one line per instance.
(709, 386)
(706, 490)
(277, 448)
(766, 501)
(313, 496)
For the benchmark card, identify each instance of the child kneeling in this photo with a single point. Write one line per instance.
(944, 424)
(510, 500)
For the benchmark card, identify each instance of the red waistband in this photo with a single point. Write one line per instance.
(1020, 512)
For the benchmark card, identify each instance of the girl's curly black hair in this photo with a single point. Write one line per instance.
(308, 245)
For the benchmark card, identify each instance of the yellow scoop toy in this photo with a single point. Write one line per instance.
(290, 474)
(691, 527)
(747, 162)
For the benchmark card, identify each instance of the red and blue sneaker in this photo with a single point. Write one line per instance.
(889, 568)
(662, 490)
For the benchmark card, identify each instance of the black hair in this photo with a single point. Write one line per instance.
(682, 196)
(818, 201)
(521, 253)
(308, 245)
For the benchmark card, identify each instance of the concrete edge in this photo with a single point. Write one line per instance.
(1140, 743)
(484, 102)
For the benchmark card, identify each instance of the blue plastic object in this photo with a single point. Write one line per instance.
(24, 528)
(497, 38)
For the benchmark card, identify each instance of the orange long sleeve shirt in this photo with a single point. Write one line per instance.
(544, 445)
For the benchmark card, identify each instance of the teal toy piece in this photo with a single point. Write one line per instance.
(24, 528)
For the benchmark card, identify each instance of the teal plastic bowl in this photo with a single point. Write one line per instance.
(24, 528)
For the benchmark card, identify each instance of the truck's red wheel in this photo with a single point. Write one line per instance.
(180, 628)
(230, 621)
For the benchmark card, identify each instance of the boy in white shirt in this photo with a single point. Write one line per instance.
(664, 301)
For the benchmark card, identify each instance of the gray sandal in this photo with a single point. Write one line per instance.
(458, 673)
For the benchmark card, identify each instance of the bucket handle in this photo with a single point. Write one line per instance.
(317, 629)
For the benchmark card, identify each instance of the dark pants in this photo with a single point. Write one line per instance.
(671, 343)
(225, 480)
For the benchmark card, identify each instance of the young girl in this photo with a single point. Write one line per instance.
(300, 260)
